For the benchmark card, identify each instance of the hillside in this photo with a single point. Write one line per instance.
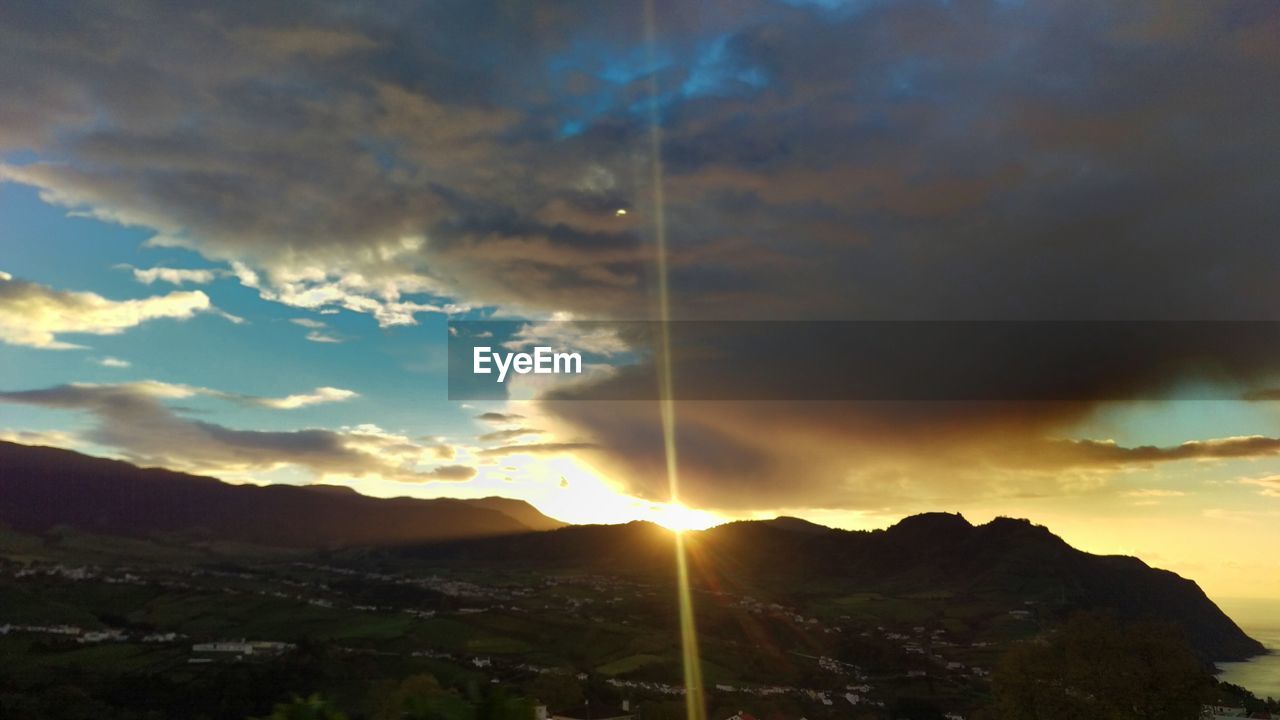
(941, 557)
(44, 487)
(938, 555)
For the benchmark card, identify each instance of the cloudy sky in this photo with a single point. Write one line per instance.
(231, 240)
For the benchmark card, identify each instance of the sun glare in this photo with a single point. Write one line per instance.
(678, 518)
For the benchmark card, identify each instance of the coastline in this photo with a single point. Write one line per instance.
(1260, 619)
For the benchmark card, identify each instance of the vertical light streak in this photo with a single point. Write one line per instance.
(695, 705)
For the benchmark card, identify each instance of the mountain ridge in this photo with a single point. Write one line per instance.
(942, 554)
(44, 487)
(932, 553)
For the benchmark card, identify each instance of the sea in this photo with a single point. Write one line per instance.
(1260, 619)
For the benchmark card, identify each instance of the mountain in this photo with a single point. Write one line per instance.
(1009, 562)
(1006, 563)
(520, 510)
(43, 487)
(795, 524)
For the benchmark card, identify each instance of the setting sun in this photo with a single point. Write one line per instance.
(679, 518)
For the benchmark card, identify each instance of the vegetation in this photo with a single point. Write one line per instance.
(309, 708)
(790, 625)
(1095, 667)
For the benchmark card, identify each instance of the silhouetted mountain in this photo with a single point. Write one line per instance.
(520, 510)
(1020, 565)
(44, 487)
(795, 524)
(335, 489)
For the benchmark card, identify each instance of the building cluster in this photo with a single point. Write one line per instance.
(1224, 712)
(913, 652)
(84, 636)
(243, 647)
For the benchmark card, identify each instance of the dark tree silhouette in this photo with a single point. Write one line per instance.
(1095, 668)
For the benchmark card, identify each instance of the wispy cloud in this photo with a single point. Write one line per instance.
(329, 290)
(1268, 485)
(315, 397)
(549, 448)
(498, 417)
(50, 438)
(1150, 493)
(317, 330)
(562, 333)
(174, 276)
(36, 315)
(510, 434)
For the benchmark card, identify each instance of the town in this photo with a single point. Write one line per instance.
(502, 629)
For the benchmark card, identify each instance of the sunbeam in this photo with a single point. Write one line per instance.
(695, 705)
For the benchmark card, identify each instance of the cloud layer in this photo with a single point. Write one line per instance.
(134, 419)
(1047, 159)
(910, 159)
(891, 458)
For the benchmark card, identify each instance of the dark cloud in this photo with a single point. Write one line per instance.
(450, 472)
(881, 415)
(1087, 452)
(893, 457)
(497, 417)
(913, 159)
(923, 360)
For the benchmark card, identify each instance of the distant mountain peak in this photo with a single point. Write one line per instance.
(335, 489)
(932, 522)
(1013, 522)
(518, 509)
(1011, 527)
(795, 524)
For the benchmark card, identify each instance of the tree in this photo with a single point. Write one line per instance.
(419, 697)
(556, 690)
(663, 710)
(312, 707)
(1095, 668)
(498, 705)
(913, 708)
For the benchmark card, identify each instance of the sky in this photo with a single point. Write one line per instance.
(232, 238)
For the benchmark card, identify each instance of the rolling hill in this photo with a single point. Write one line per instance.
(43, 487)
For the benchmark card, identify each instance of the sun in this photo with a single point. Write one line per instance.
(679, 518)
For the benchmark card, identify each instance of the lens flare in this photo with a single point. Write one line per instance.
(678, 518)
(695, 704)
